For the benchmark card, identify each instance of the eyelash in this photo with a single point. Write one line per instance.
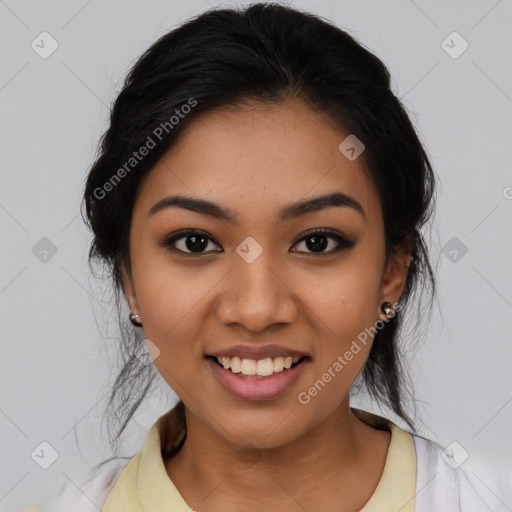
(343, 243)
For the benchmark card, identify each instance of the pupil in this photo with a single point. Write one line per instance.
(316, 245)
(196, 242)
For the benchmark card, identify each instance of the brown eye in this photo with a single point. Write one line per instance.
(318, 240)
(195, 242)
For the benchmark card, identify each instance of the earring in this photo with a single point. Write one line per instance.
(386, 308)
(135, 320)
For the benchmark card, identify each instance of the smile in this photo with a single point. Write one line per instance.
(264, 379)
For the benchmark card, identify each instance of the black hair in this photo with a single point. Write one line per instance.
(263, 52)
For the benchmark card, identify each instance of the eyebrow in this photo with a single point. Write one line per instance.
(289, 212)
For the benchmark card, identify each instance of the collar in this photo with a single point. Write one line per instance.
(144, 486)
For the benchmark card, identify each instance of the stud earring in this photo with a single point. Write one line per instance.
(386, 308)
(135, 320)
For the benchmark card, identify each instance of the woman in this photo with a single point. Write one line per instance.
(259, 199)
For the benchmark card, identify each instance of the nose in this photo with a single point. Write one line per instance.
(257, 295)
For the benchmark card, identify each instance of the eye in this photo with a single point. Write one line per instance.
(317, 240)
(194, 242)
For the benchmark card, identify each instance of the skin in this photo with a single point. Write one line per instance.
(254, 159)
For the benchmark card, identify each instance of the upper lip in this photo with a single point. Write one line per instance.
(257, 353)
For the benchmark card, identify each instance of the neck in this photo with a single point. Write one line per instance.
(334, 451)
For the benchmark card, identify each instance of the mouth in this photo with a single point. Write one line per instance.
(250, 385)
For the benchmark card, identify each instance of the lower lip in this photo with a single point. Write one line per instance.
(257, 389)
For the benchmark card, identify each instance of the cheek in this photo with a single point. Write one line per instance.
(344, 311)
(346, 299)
(171, 312)
(170, 300)
(342, 347)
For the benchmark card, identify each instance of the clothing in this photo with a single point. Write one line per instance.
(417, 477)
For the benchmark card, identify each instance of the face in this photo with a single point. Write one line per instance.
(263, 277)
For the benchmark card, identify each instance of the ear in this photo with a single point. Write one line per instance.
(128, 288)
(395, 273)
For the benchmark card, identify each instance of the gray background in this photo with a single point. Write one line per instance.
(56, 316)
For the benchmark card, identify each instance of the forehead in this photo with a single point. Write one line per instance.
(255, 156)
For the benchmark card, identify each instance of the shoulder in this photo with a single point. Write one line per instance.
(451, 479)
(94, 491)
(86, 495)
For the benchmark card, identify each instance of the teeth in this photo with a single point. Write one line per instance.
(263, 367)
